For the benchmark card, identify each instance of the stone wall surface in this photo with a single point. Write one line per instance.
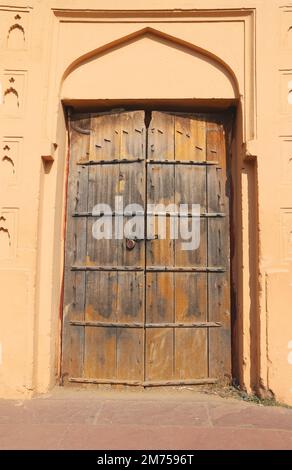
(84, 53)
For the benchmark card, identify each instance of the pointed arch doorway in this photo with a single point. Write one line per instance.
(148, 314)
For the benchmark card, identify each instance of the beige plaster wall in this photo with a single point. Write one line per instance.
(79, 51)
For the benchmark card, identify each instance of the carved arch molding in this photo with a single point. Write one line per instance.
(176, 41)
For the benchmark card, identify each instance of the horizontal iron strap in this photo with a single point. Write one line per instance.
(107, 268)
(141, 214)
(146, 325)
(182, 162)
(199, 269)
(158, 383)
(116, 161)
(110, 162)
(150, 269)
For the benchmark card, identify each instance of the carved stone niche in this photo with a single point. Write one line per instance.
(286, 28)
(286, 91)
(14, 25)
(9, 160)
(286, 160)
(286, 234)
(13, 90)
(8, 233)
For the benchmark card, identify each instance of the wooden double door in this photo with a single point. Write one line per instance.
(142, 310)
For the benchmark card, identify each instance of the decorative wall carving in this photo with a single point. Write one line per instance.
(9, 160)
(286, 28)
(286, 91)
(286, 234)
(14, 28)
(8, 231)
(286, 140)
(16, 35)
(286, 160)
(13, 89)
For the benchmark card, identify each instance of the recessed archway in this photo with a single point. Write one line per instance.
(141, 64)
(88, 83)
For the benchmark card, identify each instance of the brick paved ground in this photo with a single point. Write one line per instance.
(74, 419)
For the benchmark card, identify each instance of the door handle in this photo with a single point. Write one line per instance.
(131, 242)
(137, 239)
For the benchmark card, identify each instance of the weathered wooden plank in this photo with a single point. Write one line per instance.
(161, 137)
(78, 228)
(219, 253)
(190, 297)
(101, 296)
(131, 185)
(132, 135)
(159, 354)
(101, 305)
(220, 341)
(118, 136)
(117, 297)
(115, 137)
(192, 259)
(101, 288)
(160, 297)
(130, 341)
(159, 309)
(160, 251)
(191, 346)
(190, 138)
(190, 186)
(199, 138)
(215, 136)
(102, 185)
(105, 138)
(184, 144)
(74, 282)
(191, 353)
(132, 190)
(130, 297)
(100, 353)
(130, 353)
(160, 191)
